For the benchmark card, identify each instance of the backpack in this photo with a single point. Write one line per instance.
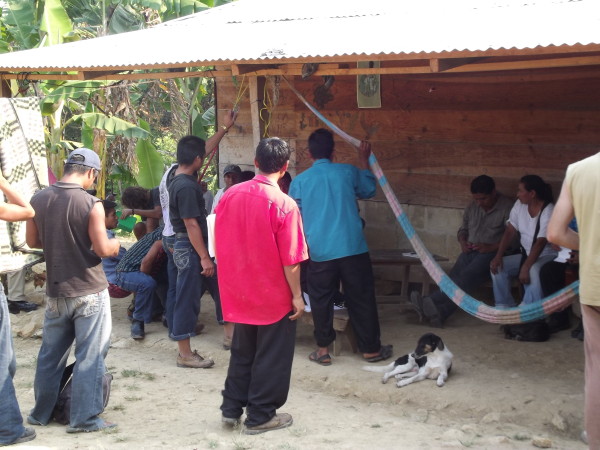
(62, 409)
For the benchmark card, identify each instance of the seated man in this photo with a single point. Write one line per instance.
(134, 274)
(109, 264)
(479, 236)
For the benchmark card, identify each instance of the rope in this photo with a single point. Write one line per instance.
(519, 314)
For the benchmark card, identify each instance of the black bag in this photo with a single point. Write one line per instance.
(537, 331)
(62, 409)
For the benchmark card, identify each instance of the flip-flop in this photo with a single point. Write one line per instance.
(384, 353)
(324, 360)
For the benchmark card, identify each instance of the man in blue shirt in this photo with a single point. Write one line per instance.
(326, 194)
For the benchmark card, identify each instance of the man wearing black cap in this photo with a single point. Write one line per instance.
(231, 175)
(69, 225)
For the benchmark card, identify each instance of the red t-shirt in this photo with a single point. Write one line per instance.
(258, 231)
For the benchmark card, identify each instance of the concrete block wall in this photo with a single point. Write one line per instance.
(437, 228)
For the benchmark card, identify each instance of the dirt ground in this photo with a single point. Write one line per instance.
(500, 395)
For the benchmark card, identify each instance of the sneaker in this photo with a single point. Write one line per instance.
(584, 437)
(137, 329)
(232, 422)
(28, 435)
(279, 421)
(195, 361)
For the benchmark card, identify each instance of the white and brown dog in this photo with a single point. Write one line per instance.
(431, 359)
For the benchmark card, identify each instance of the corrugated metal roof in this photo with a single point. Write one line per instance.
(271, 30)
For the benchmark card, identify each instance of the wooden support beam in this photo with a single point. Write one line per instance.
(5, 87)
(242, 69)
(254, 110)
(93, 75)
(121, 76)
(443, 65)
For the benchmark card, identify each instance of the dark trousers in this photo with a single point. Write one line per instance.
(552, 277)
(356, 275)
(259, 371)
(470, 271)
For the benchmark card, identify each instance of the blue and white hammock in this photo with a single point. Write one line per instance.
(520, 314)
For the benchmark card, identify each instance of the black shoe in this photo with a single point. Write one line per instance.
(559, 321)
(16, 306)
(137, 329)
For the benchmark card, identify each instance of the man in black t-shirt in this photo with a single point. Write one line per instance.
(190, 254)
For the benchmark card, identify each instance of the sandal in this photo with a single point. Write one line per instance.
(384, 353)
(324, 360)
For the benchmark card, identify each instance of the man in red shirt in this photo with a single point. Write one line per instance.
(259, 245)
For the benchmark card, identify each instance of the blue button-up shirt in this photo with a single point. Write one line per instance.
(326, 194)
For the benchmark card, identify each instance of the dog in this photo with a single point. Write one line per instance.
(431, 359)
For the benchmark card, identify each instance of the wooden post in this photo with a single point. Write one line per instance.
(254, 111)
(5, 88)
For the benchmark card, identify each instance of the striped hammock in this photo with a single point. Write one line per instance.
(519, 314)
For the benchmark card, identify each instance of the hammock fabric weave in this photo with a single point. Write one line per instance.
(519, 314)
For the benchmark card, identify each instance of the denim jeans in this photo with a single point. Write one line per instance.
(188, 287)
(86, 321)
(11, 422)
(168, 246)
(143, 285)
(511, 265)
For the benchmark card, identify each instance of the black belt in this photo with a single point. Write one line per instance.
(181, 235)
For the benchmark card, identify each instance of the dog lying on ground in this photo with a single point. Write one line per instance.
(431, 359)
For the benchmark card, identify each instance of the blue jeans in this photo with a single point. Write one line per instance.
(168, 246)
(86, 321)
(511, 265)
(143, 285)
(11, 422)
(186, 307)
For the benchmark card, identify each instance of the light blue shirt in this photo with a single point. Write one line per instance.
(110, 264)
(326, 195)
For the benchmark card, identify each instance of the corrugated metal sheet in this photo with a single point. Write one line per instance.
(265, 30)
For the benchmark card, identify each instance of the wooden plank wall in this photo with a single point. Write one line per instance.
(433, 134)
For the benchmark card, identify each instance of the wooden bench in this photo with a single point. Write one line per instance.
(342, 327)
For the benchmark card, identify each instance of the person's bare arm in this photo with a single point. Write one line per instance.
(101, 244)
(507, 237)
(228, 122)
(17, 209)
(558, 228)
(155, 213)
(148, 261)
(292, 276)
(32, 235)
(534, 254)
(364, 152)
(195, 234)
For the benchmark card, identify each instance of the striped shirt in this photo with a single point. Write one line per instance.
(132, 260)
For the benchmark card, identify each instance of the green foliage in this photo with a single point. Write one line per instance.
(55, 23)
(150, 163)
(112, 125)
(19, 17)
